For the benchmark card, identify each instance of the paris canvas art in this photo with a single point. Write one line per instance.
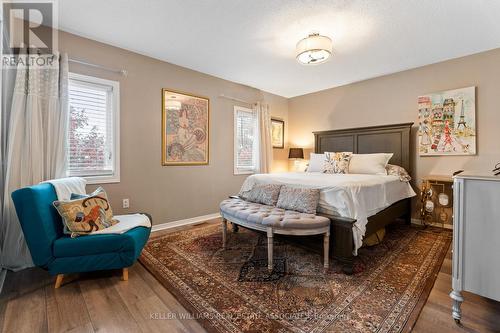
(447, 122)
(185, 129)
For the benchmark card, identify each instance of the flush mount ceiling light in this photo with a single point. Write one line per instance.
(314, 49)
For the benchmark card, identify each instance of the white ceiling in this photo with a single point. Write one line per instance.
(253, 41)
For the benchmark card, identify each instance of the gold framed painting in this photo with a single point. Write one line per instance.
(278, 133)
(185, 128)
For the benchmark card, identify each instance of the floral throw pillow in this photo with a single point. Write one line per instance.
(86, 214)
(337, 162)
(396, 170)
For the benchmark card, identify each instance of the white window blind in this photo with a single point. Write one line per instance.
(245, 140)
(93, 128)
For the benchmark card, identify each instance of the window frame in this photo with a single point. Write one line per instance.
(236, 170)
(115, 119)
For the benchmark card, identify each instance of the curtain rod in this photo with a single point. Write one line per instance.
(85, 63)
(236, 99)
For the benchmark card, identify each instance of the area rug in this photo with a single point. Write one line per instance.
(232, 291)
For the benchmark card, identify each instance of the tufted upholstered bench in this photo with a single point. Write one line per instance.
(273, 220)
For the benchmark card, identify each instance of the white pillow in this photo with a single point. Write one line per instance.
(316, 162)
(373, 164)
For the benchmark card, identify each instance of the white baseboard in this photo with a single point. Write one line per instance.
(180, 223)
(419, 222)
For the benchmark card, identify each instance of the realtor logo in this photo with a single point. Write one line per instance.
(31, 29)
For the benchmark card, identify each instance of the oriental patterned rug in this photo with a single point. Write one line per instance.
(231, 290)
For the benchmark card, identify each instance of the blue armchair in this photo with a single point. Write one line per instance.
(60, 254)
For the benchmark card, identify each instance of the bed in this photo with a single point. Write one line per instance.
(357, 205)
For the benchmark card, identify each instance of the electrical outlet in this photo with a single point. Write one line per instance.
(125, 203)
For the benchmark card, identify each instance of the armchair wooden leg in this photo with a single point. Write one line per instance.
(59, 280)
(125, 274)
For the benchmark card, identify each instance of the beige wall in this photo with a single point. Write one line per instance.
(393, 99)
(174, 192)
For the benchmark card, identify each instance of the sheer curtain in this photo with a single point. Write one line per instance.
(33, 139)
(265, 153)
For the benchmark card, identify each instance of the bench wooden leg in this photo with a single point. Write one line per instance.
(224, 233)
(326, 249)
(270, 249)
(59, 280)
(125, 274)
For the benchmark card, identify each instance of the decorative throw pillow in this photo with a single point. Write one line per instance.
(266, 194)
(316, 162)
(337, 162)
(372, 164)
(303, 200)
(85, 215)
(396, 170)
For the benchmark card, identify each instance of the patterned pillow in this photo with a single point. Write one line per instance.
(85, 215)
(337, 162)
(396, 170)
(303, 200)
(266, 194)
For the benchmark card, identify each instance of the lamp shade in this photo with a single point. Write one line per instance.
(296, 153)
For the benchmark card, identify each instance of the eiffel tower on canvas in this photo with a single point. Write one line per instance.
(462, 122)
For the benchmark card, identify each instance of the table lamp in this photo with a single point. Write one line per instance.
(296, 154)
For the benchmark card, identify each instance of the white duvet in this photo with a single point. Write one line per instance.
(348, 195)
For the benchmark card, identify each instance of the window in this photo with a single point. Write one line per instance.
(93, 131)
(245, 141)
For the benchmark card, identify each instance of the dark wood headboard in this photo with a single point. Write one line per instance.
(364, 140)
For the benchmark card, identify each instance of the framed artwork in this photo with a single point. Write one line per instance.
(447, 123)
(185, 129)
(278, 133)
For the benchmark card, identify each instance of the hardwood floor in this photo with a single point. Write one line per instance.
(102, 302)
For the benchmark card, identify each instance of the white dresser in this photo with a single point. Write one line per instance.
(476, 238)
